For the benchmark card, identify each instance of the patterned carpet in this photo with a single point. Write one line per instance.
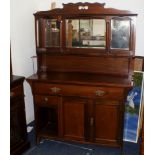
(51, 147)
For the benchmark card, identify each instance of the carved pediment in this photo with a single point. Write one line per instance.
(85, 8)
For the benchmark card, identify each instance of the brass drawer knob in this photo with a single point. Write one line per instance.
(99, 92)
(55, 89)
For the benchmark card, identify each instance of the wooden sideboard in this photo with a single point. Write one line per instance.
(81, 85)
(88, 110)
(18, 130)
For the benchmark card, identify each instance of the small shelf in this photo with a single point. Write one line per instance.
(49, 122)
(50, 129)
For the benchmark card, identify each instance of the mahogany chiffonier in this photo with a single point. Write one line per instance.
(18, 131)
(85, 55)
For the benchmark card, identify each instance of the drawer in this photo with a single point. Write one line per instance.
(47, 101)
(16, 91)
(81, 91)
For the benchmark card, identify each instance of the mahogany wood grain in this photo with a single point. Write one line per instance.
(72, 9)
(18, 131)
(82, 79)
(47, 101)
(107, 115)
(79, 93)
(120, 66)
(16, 91)
(74, 118)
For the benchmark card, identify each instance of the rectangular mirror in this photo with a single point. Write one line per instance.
(52, 33)
(120, 34)
(85, 33)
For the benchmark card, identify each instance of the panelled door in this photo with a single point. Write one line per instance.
(107, 121)
(73, 118)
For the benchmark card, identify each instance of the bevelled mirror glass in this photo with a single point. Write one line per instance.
(120, 34)
(52, 33)
(85, 33)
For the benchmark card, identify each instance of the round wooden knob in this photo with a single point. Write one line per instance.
(46, 99)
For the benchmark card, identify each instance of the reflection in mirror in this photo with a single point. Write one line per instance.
(85, 33)
(120, 34)
(52, 33)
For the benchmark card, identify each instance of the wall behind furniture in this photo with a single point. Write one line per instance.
(23, 42)
(136, 6)
(23, 35)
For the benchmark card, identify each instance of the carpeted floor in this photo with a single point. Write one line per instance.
(51, 147)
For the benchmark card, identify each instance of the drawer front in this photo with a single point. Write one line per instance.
(16, 91)
(81, 91)
(47, 101)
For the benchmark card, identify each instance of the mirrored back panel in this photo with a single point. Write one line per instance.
(85, 33)
(120, 34)
(52, 33)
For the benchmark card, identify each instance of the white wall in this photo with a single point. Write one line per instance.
(23, 41)
(136, 6)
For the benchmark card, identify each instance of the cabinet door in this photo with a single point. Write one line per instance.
(18, 133)
(73, 118)
(107, 122)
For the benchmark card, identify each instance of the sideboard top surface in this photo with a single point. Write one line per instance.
(82, 79)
